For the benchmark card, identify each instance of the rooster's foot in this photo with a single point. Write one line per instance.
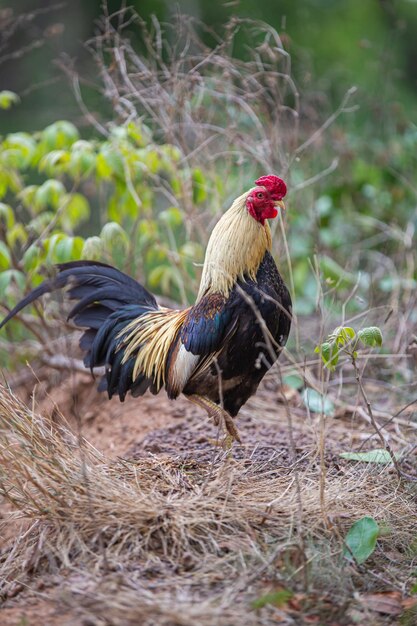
(225, 422)
(221, 418)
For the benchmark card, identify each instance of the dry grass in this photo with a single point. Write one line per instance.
(172, 541)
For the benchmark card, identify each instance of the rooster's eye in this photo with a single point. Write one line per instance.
(259, 195)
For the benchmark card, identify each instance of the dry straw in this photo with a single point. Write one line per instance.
(182, 542)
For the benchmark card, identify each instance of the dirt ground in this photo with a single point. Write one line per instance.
(179, 433)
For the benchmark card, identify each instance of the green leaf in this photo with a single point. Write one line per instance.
(361, 539)
(371, 336)
(176, 185)
(31, 258)
(82, 146)
(4, 182)
(17, 150)
(62, 248)
(329, 350)
(199, 186)
(329, 353)
(112, 233)
(109, 162)
(275, 598)
(372, 456)
(8, 98)
(49, 194)
(39, 223)
(93, 249)
(122, 204)
(6, 215)
(155, 255)
(50, 244)
(172, 153)
(151, 159)
(192, 250)
(82, 162)
(119, 132)
(157, 276)
(68, 249)
(27, 196)
(135, 132)
(116, 242)
(17, 233)
(5, 257)
(317, 403)
(295, 381)
(343, 335)
(54, 162)
(326, 350)
(172, 217)
(148, 230)
(77, 210)
(60, 135)
(324, 206)
(9, 276)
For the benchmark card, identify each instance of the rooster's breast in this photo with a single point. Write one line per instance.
(260, 319)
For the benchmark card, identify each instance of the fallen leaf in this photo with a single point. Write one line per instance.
(290, 394)
(361, 539)
(318, 403)
(409, 603)
(386, 603)
(372, 456)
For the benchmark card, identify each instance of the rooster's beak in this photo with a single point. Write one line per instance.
(280, 204)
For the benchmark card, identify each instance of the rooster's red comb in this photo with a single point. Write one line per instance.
(276, 186)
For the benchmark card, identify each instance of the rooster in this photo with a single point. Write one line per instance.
(215, 352)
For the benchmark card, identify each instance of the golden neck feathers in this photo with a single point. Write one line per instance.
(235, 249)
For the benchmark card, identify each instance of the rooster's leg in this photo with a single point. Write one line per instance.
(219, 415)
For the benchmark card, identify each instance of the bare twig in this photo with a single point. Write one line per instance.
(385, 443)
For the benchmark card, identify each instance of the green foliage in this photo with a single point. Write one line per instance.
(49, 185)
(64, 198)
(345, 340)
(160, 185)
(371, 336)
(57, 136)
(357, 225)
(361, 539)
(8, 98)
(5, 257)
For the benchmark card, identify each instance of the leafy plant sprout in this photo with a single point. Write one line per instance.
(344, 340)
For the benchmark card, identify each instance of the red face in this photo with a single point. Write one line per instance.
(261, 205)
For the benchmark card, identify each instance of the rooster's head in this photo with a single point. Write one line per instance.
(262, 201)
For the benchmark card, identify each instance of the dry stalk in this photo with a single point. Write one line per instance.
(385, 443)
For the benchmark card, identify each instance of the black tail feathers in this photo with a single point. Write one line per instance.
(99, 288)
(107, 301)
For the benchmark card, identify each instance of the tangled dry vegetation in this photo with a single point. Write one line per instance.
(195, 535)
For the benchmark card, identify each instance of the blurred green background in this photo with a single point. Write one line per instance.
(370, 44)
(137, 197)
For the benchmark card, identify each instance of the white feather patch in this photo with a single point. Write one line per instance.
(184, 366)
